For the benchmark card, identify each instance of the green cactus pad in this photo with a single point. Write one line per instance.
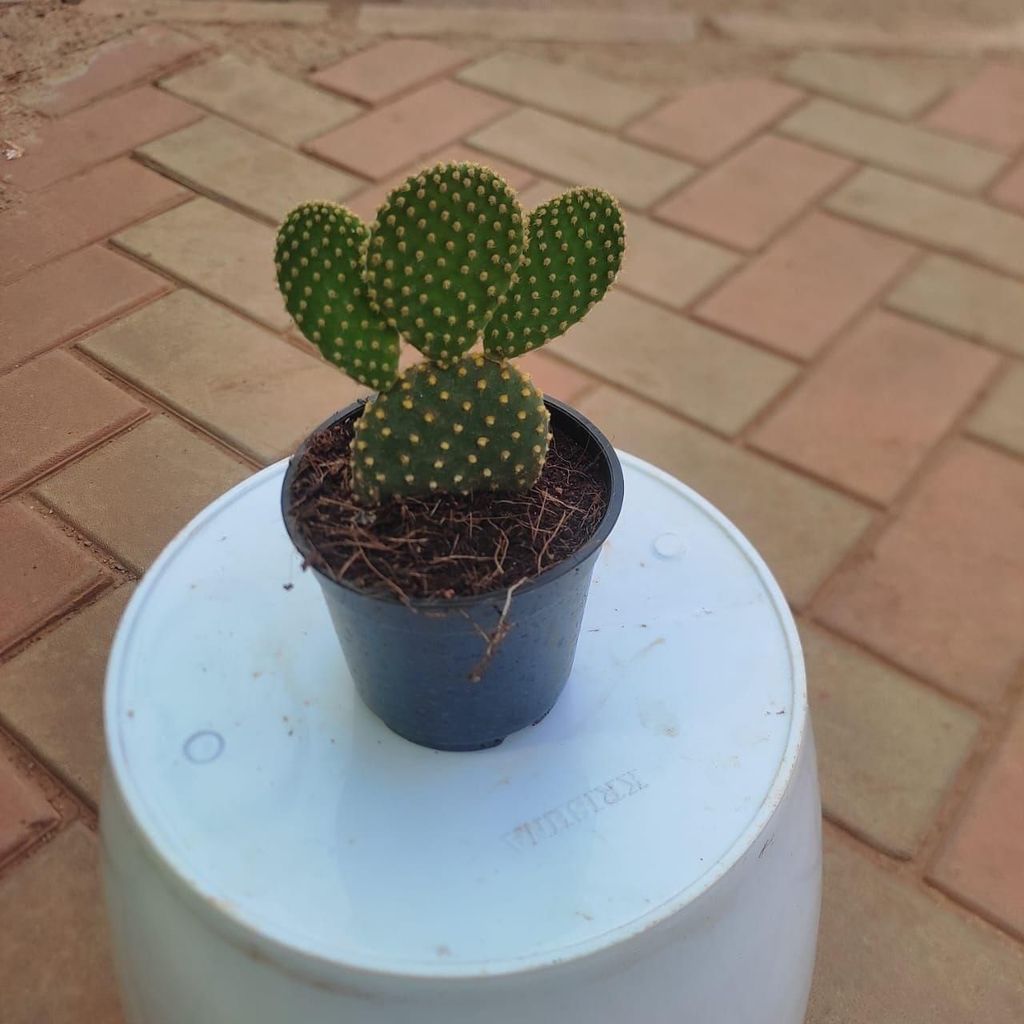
(442, 253)
(477, 424)
(576, 242)
(319, 272)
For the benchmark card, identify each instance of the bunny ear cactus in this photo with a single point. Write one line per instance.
(450, 259)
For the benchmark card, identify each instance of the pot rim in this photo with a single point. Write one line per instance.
(599, 536)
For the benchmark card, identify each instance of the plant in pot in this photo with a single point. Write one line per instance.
(453, 518)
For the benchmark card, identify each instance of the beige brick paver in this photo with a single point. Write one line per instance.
(891, 87)
(668, 265)
(239, 381)
(261, 176)
(579, 155)
(216, 250)
(51, 694)
(685, 366)
(1000, 417)
(384, 71)
(406, 130)
(531, 22)
(134, 494)
(261, 98)
(807, 285)
(710, 119)
(50, 409)
(935, 217)
(98, 133)
(982, 860)
(25, 813)
(890, 951)
(42, 573)
(1009, 190)
(54, 950)
(78, 211)
(560, 88)
(989, 109)
(66, 297)
(907, 148)
(938, 592)
(118, 64)
(756, 192)
(964, 298)
(542, 191)
(801, 528)
(874, 407)
(888, 747)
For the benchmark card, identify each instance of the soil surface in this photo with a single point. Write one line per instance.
(444, 546)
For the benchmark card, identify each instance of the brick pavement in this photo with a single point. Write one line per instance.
(823, 308)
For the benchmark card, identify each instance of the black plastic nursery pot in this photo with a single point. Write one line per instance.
(425, 669)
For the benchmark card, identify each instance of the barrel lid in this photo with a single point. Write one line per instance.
(263, 785)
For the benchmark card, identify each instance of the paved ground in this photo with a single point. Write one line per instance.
(819, 327)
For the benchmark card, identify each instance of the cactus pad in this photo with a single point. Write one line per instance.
(319, 272)
(576, 243)
(442, 253)
(477, 424)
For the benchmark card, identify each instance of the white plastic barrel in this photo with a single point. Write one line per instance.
(649, 852)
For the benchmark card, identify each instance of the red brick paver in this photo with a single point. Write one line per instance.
(877, 404)
(941, 591)
(67, 297)
(809, 284)
(117, 65)
(52, 408)
(1009, 189)
(51, 693)
(78, 211)
(709, 120)
(42, 572)
(383, 72)
(983, 862)
(989, 109)
(99, 133)
(381, 142)
(556, 378)
(748, 198)
(25, 813)
(54, 951)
